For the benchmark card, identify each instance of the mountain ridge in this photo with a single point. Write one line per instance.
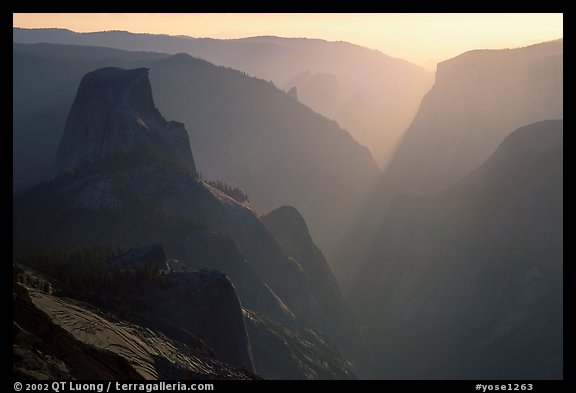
(129, 198)
(375, 109)
(478, 98)
(249, 131)
(473, 275)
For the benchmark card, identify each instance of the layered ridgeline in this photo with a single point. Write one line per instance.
(147, 191)
(468, 284)
(247, 132)
(478, 98)
(372, 95)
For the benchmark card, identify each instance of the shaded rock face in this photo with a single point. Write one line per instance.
(152, 201)
(283, 353)
(214, 251)
(105, 99)
(283, 347)
(293, 92)
(58, 338)
(114, 114)
(329, 312)
(469, 283)
(258, 246)
(248, 132)
(203, 303)
(384, 91)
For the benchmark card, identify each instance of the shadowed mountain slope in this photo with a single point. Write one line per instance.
(246, 132)
(478, 98)
(371, 94)
(472, 278)
(148, 192)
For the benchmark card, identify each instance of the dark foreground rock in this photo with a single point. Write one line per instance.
(59, 338)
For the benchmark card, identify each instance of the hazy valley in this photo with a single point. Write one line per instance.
(272, 208)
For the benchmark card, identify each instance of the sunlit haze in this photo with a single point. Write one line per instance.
(288, 197)
(421, 38)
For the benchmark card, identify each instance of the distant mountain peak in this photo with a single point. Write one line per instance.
(114, 114)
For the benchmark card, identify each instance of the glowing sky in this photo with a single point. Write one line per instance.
(421, 38)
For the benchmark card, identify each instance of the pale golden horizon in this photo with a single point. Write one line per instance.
(423, 38)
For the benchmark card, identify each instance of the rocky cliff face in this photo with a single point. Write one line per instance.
(477, 99)
(372, 95)
(205, 250)
(128, 197)
(203, 303)
(473, 276)
(59, 338)
(283, 344)
(114, 114)
(301, 353)
(243, 131)
(105, 99)
(329, 312)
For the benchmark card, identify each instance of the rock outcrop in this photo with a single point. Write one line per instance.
(148, 196)
(372, 95)
(283, 353)
(243, 131)
(330, 314)
(59, 338)
(127, 198)
(206, 250)
(203, 303)
(114, 114)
